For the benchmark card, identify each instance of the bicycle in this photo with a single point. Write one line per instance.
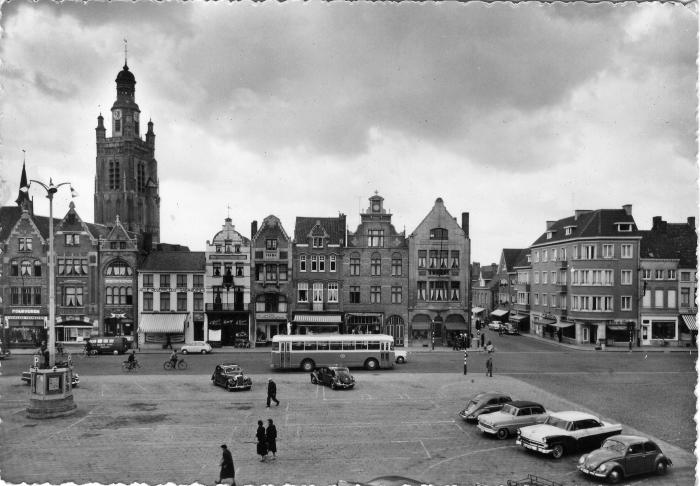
(133, 366)
(181, 365)
(88, 353)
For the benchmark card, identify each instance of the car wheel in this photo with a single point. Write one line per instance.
(307, 365)
(502, 434)
(615, 476)
(661, 467)
(183, 351)
(557, 451)
(400, 360)
(371, 364)
(204, 351)
(115, 352)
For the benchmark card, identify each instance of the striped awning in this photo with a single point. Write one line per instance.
(324, 318)
(163, 323)
(689, 320)
(420, 326)
(476, 310)
(519, 318)
(456, 326)
(499, 312)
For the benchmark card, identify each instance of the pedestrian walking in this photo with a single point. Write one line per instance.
(272, 393)
(489, 347)
(227, 473)
(271, 436)
(489, 366)
(168, 343)
(262, 441)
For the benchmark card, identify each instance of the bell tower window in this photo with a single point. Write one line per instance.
(141, 177)
(114, 174)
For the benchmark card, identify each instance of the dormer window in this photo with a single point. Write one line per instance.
(624, 227)
(550, 234)
(317, 242)
(227, 246)
(569, 230)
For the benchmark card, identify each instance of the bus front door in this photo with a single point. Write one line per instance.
(385, 360)
(285, 354)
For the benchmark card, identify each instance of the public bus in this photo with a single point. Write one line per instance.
(308, 351)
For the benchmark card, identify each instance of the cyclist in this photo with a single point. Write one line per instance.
(173, 358)
(88, 347)
(131, 360)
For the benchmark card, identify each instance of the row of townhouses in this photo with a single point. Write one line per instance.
(595, 278)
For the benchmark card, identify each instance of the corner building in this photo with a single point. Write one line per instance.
(375, 269)
(126, 177)
(439, 278)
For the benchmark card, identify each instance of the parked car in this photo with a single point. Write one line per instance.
(512, 417)
(231, 377)
(495, 325)
(566, 432)
(510, 328)
(202, 347)
(401, 356)
(110, 344)
(333, 376)
(621, 456)
(485, 402)
(384, 481)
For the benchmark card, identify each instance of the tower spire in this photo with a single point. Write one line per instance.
(23, 196)
(125, 52)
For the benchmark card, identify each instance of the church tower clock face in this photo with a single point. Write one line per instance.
(136, 116)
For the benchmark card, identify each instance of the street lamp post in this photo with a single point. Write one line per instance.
(51, 392)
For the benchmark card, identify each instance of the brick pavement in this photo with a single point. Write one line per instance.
(157, 429)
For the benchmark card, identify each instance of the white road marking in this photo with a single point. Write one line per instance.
(141, 387)
(469, 454)
(425, 449)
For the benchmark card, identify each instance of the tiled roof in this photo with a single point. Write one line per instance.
(510, 256)
(521, 260)
(671, 240)
(174, 261)
(335, 227)
(8, 218)
(597, 223)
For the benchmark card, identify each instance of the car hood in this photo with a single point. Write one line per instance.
(599, 456)
(495, 418)
(539, 432)
(344, 378)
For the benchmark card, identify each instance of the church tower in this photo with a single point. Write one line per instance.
(126, 176)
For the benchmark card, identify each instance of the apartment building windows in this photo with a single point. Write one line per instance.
(376, 265)
(537, 257)
(396, 265)
(626, 303)
(216, 269)
(626, 277)
(646, 298)
(608, 251)
(24, 244)
(354, 294)
(685, 297)
(545, 255)
(181, 281)
(544, 278)
(317, 242)
(554, 254)
(422, 286)
(577, 252)
(553, 277)
(314, 263)
(331, 263)
(646, 273)
(198, 301)
(165, 281)
(422, 255)
(563, 254)
(271, 244)
(148, 301)
(375, 294)
(164, 301)
(454, 291)
(396, 295)
(671, 299)
(181, 301)
(303, 292)
(432, 262)
(438, 234)
(148, 280)
(354, 264)
(658, 274)
(626, 251)
(333, 292)
(318, 292)
(671, 274)
(282, 269)
(537, 299)
(321, 263)
(302, 263)
(375, 238)
(270, 272)
(658, 299)
(537, 277)
(589, 252)
(685, 276)
(454, 259)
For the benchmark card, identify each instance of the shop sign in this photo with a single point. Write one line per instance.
(181, 289)
(26, 311)
(271, 315)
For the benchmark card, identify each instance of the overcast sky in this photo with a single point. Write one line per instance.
(515, 114)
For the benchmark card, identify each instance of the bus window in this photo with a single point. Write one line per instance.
(310, 345)
(373, 345)
(323, 345)
(336, 345)
(349, 345)
(297, 345)
(275, 346)
(361, 345)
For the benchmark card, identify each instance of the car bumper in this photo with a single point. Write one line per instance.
(486, 429)
(534, 446)
(592, 472)
(467, 417)
(344, 385)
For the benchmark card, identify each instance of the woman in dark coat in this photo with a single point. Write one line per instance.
(262, 441)
(271, 434)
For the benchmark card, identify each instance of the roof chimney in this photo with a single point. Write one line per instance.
(580, 212)
(655, 222)
(628, 209)
(253, 229)
(691, 222)
(465, 224)
(550, 224)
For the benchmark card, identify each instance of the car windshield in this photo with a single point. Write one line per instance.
(510, 409)
(232, 369)
(557, 422)
(341, 370)
(614, 445)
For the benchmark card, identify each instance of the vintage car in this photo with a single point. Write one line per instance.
(495, 325)
(384, 481)
(231, 377)
(510, 329)
(401, 356)
(512, 417)
(486, 402)
(202, 347)
(565, 432)
(621, 456)
(333, 376)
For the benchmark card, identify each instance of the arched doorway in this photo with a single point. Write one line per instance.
(420, 329)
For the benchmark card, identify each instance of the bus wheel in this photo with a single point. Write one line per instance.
(307, 365)
(371, 364)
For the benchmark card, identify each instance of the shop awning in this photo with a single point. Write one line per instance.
(499, 312)
(318, 318)
(455, 326)
(617, 327)
(163, 323)
(476, 310)
(562, 324)
(689, 320)
(420, 326)
(519, 318)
